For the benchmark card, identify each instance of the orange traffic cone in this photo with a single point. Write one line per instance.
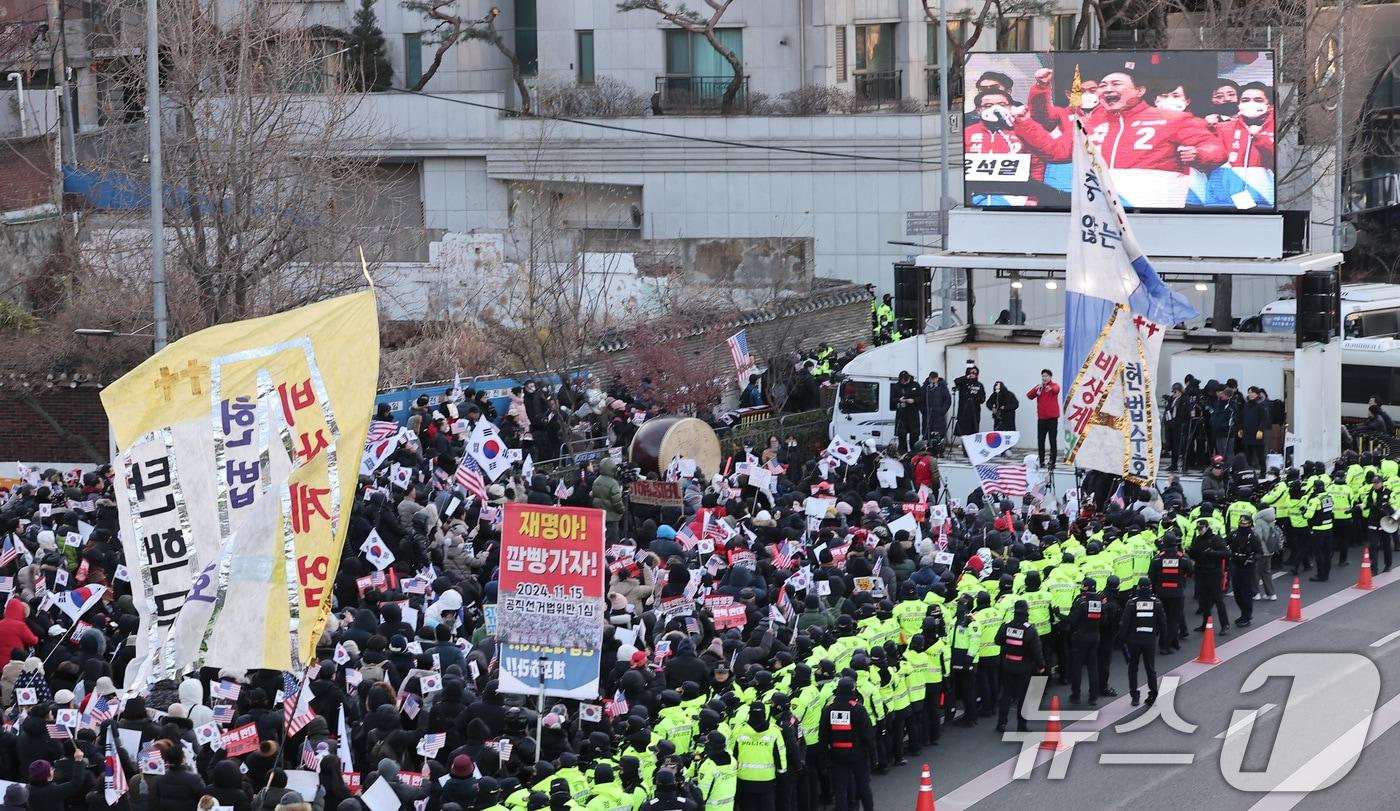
(1295, 603)
(1052, 740)
(1363, 581)
(1207, 655)
(925, 802)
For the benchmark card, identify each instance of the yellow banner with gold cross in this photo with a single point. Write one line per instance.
(240, 449)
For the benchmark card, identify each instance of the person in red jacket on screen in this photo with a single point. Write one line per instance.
(1248, 139)
(1047, 415)
(1147, 150)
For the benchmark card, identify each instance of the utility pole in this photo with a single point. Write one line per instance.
(157, 194)
(941, 38)
(1339, 141)
(59, 64)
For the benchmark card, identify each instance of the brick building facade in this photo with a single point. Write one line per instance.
(45, 423)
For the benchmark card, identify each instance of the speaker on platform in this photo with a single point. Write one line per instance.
(1319, 303)
(912, 297)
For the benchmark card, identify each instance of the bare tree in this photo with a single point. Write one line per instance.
(686, 19)
(451, 28)
(266, 197)
(554, 290)
(992, 11)
(681, 375)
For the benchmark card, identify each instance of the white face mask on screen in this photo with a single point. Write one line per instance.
(1088, 101)
(1178, 105)
(1253, 109)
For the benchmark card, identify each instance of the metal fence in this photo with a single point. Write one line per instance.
(809, 427)
(699, 93)
(879, 86)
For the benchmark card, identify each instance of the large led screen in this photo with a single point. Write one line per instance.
(1179, 130)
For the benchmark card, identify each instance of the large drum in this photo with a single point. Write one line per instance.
(659, 441)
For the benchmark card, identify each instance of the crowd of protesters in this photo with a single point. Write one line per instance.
(872, 617)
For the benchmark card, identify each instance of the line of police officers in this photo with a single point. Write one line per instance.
(861, 695)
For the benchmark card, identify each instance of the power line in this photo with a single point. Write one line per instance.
(675, 136)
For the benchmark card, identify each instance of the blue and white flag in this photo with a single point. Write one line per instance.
(1116, 311)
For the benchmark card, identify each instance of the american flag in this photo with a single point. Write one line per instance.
(717, 530)
(310, 760)
(686, 538)
(100, 711)
(782, 556)
(1003, 480)
(380, 430)
(223, 713)
(113, 778)
(10, 552)
(57, 732)
(432, 743)
(1118, 499)
(739, 354)
(785, 606)
(618, 705)
(469, 477)
(296, 707)
(225, 689)
(942, 544)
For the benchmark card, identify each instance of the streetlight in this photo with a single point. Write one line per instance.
(97, 332)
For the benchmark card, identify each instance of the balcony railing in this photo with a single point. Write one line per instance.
(687, 94)
(879, 86)
(954, 87)
(1375, 193)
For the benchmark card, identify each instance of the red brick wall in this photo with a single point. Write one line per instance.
(26, 436)
(27, 166)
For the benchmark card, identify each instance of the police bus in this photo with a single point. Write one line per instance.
(1370, 310)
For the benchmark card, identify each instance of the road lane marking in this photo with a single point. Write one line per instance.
(997, 777)
(1146, 759)
(1391, 637)
(1335, 757)
(1243, 723)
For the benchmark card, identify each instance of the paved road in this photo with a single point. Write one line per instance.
(1353, 650)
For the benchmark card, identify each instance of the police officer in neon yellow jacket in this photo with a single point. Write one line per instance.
(758, 750)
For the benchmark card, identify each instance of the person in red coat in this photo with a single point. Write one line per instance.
(1047, 415)
(14, 631)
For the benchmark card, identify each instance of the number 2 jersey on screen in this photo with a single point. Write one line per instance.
(1177, 129)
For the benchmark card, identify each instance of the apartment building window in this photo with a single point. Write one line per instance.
(954, 40)
(876, 78)
(875, 47)
(412, 59)
(697, 76)
(840, 53)
(585, 57)
(1062, 32)
(689, 54)
(1014, 34)
(527, 46)
(325, 67)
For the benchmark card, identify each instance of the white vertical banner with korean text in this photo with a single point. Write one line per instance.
(1116, 312)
